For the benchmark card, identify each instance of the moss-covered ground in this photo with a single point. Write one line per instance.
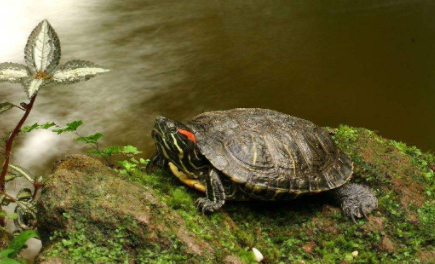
(311, 229)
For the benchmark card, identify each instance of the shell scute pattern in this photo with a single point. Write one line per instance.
(250, 150)
(271, 153)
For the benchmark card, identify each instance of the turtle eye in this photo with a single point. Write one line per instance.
(188, 134)
(171, 128)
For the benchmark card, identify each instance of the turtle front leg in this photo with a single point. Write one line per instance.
(215, 193)
(156, 161)
(356, 200)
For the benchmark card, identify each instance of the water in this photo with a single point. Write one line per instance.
(363, 63)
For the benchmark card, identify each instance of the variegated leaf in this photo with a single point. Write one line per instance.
(42, 52)
(5, 107)
(76, 71)
(19, 171)
(26, 211)
(4, 201)
(31, 86)
(12, 72)
(24, 194)
(9, 177)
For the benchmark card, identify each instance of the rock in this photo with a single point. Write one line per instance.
(258, 256)
(91, 212)
(84, 196)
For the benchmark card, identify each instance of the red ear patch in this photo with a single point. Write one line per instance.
(188, 134)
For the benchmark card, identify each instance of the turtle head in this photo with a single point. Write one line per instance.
(176, 138)
(177, 144)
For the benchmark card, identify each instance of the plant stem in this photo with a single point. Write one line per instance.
(11, 140)
(12, 199)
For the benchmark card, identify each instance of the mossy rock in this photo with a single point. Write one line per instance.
(89, 214)
(84, 206)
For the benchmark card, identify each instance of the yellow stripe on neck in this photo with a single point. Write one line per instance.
(193, 183)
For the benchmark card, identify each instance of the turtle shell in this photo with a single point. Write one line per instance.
(270, 151)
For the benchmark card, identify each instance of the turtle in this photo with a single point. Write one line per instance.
(257, 154)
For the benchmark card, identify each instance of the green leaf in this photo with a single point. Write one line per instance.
(9, 261)
(5, 253)
(70, 127)
(130, 150)
(92, 139)
(37, 126)
(109, 151)
(13, 216)
(116, 150)
(3, 213)
(5, 107)
(112, 150)
(18, 242)
(127, 165)
(30, 128)
(47, 125)
(66, 215)
(74, 125)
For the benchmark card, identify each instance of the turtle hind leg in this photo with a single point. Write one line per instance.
(215, 193)
(356, 200)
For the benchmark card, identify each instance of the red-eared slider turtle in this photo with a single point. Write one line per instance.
(261, 154)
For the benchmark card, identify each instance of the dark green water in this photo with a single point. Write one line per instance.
(362, 63)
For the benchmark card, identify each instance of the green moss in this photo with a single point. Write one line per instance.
(78, 248)
(282, 230)
(215, 228)
(311, 229)
(81, 247)
(347, 136)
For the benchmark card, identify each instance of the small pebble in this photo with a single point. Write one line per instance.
(258, 256)
(355, 254)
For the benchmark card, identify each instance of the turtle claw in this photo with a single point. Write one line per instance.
(356, 212)
(364, 213)
(351, 211)
(204, 205)
(357, 200)
(353, 218)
